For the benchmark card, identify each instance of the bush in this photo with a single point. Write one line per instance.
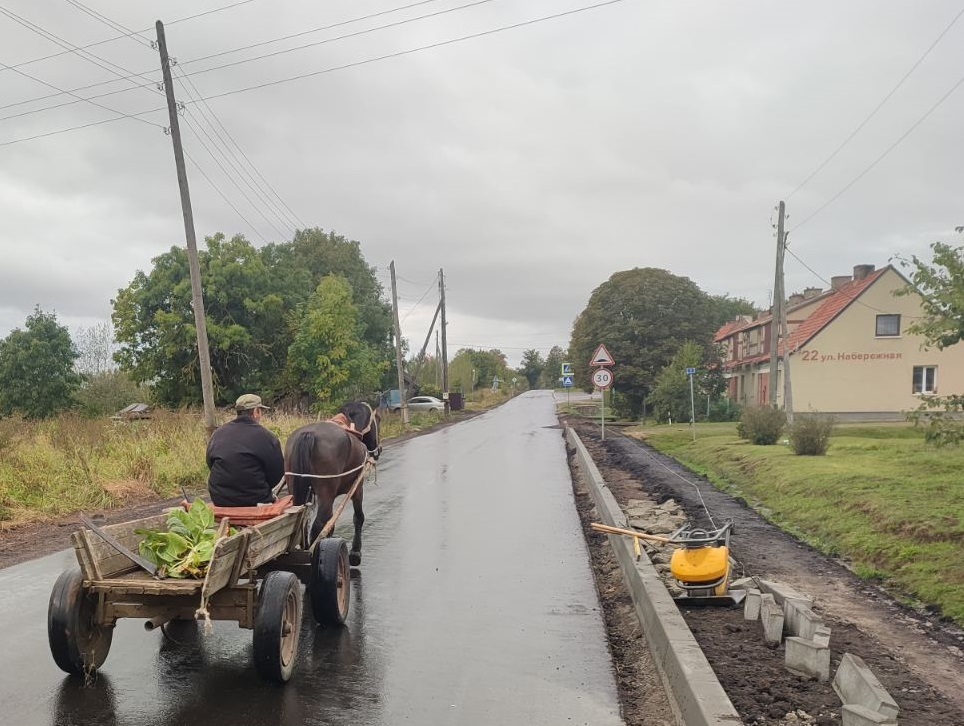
(810, 434)
(725, 410)
(761, 425)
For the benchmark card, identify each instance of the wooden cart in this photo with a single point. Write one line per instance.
(252, 579)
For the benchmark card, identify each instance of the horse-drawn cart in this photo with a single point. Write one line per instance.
(252, 579)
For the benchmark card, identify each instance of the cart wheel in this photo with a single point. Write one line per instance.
(330, 583)
(276, 626)
(76, 643)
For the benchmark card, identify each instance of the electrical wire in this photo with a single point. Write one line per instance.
(290, 219)
(100, 17)
(877, 107)
(321, 28)
(235, 50)
(190, 120)
(366, 61)
(885, 153)
(417, 49)
(216, 188)
(136, 32)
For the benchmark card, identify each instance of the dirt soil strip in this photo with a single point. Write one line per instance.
(917, 657)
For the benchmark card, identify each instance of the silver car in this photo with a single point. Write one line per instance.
(425, 403)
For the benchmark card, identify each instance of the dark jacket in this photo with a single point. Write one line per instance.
(245, 461)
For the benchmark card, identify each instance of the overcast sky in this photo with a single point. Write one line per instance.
(530, 163)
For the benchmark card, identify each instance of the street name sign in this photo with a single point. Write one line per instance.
(691, 371)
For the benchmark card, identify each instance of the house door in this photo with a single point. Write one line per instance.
(763, 389)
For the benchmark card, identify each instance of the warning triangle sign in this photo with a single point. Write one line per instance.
(601, 357)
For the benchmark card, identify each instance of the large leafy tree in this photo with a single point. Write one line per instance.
(532, 366)
(37, 377)
(642, 316)
(250, 295)
(552, 369)
(328, 362)
(670, 398)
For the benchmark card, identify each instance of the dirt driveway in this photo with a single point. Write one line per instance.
(916, 656)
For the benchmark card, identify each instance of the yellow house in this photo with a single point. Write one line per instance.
(849, 351)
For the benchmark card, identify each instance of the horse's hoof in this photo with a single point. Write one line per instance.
(354, 558)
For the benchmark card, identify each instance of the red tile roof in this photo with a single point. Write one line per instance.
(826, 313)
(835, 303)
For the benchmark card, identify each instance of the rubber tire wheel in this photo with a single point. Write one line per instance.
(277, 625)
(330, 583)
(77, 645)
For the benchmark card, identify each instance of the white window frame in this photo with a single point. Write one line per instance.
(927, 387)
(877, 332)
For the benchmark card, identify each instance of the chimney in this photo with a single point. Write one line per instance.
(795, 299)
(811, 292)
(838, 282)
(861, 271)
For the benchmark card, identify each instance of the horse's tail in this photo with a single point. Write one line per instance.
(302, 448)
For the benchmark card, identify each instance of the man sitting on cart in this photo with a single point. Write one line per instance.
(244, 458)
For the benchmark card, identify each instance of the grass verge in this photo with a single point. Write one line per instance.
(881, 499)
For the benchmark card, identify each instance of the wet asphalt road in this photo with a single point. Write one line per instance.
(475, 604)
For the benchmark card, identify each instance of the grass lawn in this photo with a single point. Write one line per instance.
(881, 498)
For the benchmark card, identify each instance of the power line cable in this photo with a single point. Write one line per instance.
(289, 219)
(331, 26)
(410, 51)
(119, 117)
(190, 120)
(216, 188)
(878, 107)
(100, 17)
(419, 301)
(235, 50)
(883, 155)
(366, 61)
(136, 32)
(325, 41)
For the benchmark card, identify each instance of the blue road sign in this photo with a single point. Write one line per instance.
(690, 371)
(567, 381)
(567, 369)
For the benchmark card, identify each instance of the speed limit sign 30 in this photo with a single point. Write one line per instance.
(602, 378)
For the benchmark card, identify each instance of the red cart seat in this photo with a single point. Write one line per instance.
(250, 516)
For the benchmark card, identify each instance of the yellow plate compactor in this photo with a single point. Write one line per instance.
(701, 566)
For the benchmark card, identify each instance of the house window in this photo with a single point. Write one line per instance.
(925, 379)
(888, 326)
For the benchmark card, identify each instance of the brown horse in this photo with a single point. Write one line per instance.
(333, 453)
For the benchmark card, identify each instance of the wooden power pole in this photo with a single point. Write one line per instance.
(775, 309)
(197, 300)
(445, 350)
(398, 347)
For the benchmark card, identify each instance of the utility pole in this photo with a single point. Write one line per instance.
(398, 348)
(445, 350)
(438, 363)
(197, 300)
(775, 309)
(787, 392)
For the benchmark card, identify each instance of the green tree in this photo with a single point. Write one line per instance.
(250, 295)
(37, 377)
(328, 362)
(552, 369)
(671, 394)
(726, 308)
(940, 285)
(102, 394)
(642, 316)
(532, 367)
(471, 369)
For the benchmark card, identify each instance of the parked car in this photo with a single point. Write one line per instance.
(425, 403)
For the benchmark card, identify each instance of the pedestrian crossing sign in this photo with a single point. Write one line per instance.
(567, 381)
